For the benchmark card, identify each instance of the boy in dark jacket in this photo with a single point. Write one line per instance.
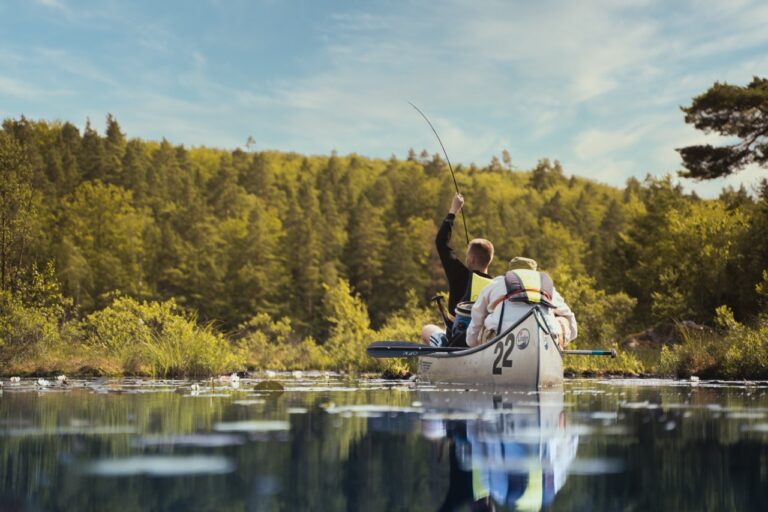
(465, 278)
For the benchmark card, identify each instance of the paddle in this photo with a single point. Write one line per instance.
(589, 352)
(408, 349)
(405, 349)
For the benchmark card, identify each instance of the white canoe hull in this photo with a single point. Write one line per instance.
(526, 357)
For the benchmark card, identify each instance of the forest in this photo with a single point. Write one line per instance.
(125, 256)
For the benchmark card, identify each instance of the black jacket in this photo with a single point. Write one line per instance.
(455, 270)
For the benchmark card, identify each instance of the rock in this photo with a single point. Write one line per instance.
(390, 375)
(662, 334)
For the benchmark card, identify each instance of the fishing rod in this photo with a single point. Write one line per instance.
(463, 219)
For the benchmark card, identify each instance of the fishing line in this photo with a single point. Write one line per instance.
(463, 219)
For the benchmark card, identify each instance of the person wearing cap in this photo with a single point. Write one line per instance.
(509, 297)
(465, 278)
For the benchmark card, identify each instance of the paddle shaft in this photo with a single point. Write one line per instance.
(596, 352)
(405, 349)
(408, 349)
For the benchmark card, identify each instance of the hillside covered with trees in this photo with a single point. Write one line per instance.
(110, 244)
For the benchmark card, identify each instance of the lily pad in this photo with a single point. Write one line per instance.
(269, 385)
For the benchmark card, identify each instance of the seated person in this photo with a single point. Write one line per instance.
(465, 278)
(498, 306)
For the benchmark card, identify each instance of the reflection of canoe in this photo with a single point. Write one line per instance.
(525, 355)
(512, 447)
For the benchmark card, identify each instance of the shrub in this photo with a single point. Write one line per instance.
(350, 329)
(699, 354)
(24, 331)
(159, 338)
(33, 318)
(600, 316)
(734, 351)
(404, 325)
(268, 344)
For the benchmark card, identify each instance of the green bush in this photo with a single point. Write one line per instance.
(267, 344)
(33, 318)
(404, 325)
(157, 337)
(601, 316)
(701, 353)
(350, 329)
(24, 331)
(734, 351)
(747, 353)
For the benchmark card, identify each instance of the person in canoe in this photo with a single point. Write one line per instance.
(509, 297)
(465, 279)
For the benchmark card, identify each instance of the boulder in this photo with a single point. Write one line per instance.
(663, 334)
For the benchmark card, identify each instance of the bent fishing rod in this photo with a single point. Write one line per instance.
(463, 219)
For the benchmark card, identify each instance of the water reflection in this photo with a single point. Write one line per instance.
(331, 444)
(515, 453)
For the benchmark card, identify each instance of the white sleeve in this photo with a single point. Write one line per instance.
(562, 309)
(479, 312)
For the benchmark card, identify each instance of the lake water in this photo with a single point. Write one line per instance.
(329, 444)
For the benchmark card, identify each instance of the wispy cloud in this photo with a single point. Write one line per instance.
(53, 4)
(27, 91)
(76, 66)
(594, 83)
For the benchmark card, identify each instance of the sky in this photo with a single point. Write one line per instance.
(595, 84)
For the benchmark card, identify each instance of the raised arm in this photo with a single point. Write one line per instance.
(455, 270)
(444, 233)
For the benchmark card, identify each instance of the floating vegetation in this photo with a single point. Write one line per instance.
(252, 426)
(165, 466)
(269, 385)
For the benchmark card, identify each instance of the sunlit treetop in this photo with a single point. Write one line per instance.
(732, 111)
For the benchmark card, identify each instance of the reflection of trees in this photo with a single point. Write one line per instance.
(326, 462)
(332, 461)
(681, 452)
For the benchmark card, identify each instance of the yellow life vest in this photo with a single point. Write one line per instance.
(528, 286)
(476, 285)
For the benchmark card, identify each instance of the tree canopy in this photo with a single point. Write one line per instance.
(731, 111)
(231, 235)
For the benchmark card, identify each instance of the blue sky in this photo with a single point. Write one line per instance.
(596, 84)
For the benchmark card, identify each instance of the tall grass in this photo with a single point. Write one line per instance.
(157, 338)
(732, 351)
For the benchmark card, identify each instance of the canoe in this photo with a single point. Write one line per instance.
(526, 355)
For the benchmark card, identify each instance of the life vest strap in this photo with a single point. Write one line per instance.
(519, 296)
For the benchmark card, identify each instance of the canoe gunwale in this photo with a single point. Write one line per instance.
(535, 311)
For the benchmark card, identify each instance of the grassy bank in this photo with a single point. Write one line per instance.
(730, 351)
(42, 335)
(161, 339)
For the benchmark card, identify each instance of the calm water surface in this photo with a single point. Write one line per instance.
(330, 444)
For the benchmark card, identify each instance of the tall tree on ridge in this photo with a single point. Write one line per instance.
(731, 111)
